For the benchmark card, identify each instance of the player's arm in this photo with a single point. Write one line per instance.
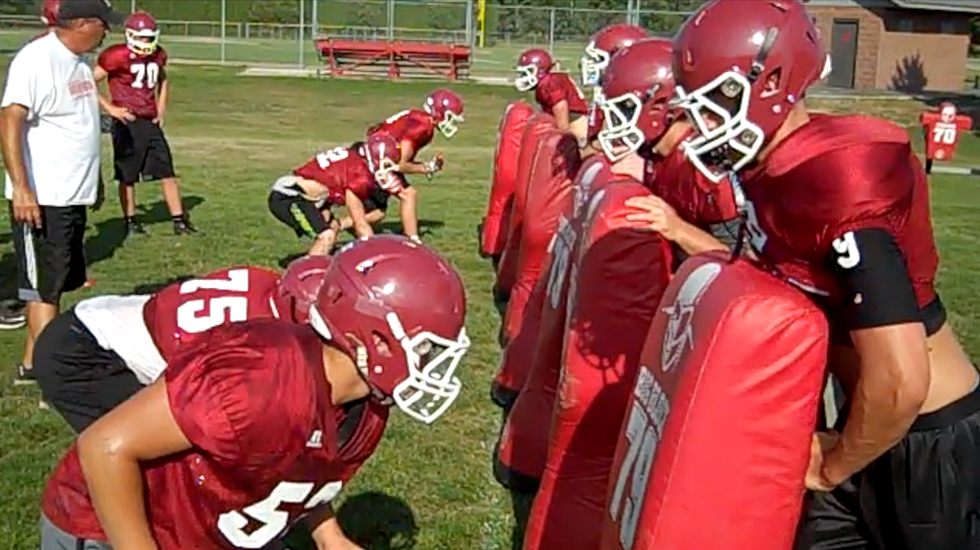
(111, 109)
(878, 304)
(407, 201)
(163, 96)
(325, 530)
(355, 207)
(408, 165)
(562, 114)
(110, 451)
(655, 214)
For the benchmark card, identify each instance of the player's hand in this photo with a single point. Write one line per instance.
(121, 114)
(655, 214)
(158, 121)
(821, 443)
(26, 209)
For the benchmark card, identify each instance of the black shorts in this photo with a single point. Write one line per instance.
(298, 213)
(50, 260)
(924, 494)
(140, 151)
(79, 378)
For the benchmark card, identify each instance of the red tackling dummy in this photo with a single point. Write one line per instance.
(493, 233)
(534, 131)
(549, 198)
(523, 446)
(717, 438)
(619, 275)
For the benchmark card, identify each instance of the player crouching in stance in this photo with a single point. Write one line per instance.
(105, 349)
(260, 422)
(414, 129)
(342, 176)
(140, 89)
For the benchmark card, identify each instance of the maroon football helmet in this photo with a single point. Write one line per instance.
(603, 45)
(397, 309)
(447, 109)
(637, 87)
(382, 154)
(49, 12)
(740, 67)
(532, 66)
(299, 287)
(142, 33)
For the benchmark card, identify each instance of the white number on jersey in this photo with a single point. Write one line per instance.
(146, 75)
(944, 133)
(757, 236)
(396, 116)
(336, 154)
(232, 524)
(219, 310)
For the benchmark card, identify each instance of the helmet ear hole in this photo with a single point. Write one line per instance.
(381, 344)
(772, 83)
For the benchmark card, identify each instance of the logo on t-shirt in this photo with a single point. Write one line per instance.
(81, 88)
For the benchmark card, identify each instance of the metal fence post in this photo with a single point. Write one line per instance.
(551, 33)
(470, 38)
(224, 13)
(302, 31)
(391, 19)
(315, 20)
(132, 6)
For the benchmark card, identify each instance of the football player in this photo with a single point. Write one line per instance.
(414, 129)
(555, 92)
(139, 90)
(839, 205)
(49, 16)
(261, 422)
(340, 176)
(105, 349)
(638, 85)
(598, 52)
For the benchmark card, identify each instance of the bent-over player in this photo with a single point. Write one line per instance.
(261, 422)
(139, 90)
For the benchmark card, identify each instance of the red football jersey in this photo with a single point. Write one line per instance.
(557, 87)
(180, 312)
(339, 169)
(133, 79)
(254, 401)
(409, 125)
(838, 174)
(943, 137)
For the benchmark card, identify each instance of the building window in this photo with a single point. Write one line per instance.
(947, 26)
(906, 25)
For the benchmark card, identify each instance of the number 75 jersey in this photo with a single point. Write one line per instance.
(176, 315)
(133, 79)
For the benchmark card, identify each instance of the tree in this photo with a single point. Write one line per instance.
(274, 11)
(975, 35)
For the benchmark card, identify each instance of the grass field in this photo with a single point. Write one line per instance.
(427, 487)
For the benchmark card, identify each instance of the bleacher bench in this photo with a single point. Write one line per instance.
(395, 59)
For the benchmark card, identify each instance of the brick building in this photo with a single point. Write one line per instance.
(907, 45)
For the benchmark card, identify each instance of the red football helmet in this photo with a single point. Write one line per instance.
(49, 12)
(947, 112)
(382, 154)
(298, 288)
(603, 45)
(637, 85)
(142, 33)
(447, 108)
(398, 310)
(532, 66)
(740, 67)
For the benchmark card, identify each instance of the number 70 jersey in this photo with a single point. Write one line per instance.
(175, 315)
(133, 79)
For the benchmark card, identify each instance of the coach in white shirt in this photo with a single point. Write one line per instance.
(49, 132)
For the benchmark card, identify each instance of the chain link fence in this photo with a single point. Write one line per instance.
(283, 31)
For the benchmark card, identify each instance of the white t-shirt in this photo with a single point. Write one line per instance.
(117, 324)
(63, 140)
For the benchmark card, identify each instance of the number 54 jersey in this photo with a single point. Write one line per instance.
(268, 444)
(146, 332)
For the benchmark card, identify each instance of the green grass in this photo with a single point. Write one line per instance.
(231, 137)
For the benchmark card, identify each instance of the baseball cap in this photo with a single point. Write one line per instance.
(82, 9)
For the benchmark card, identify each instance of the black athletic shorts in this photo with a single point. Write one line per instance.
(79, 378)
(140, 151)
(924, 494)
(50, 260)
(298, 213)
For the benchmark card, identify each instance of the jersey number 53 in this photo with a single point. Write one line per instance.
(202, 314)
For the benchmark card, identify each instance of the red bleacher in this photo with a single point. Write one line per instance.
(395, 59)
